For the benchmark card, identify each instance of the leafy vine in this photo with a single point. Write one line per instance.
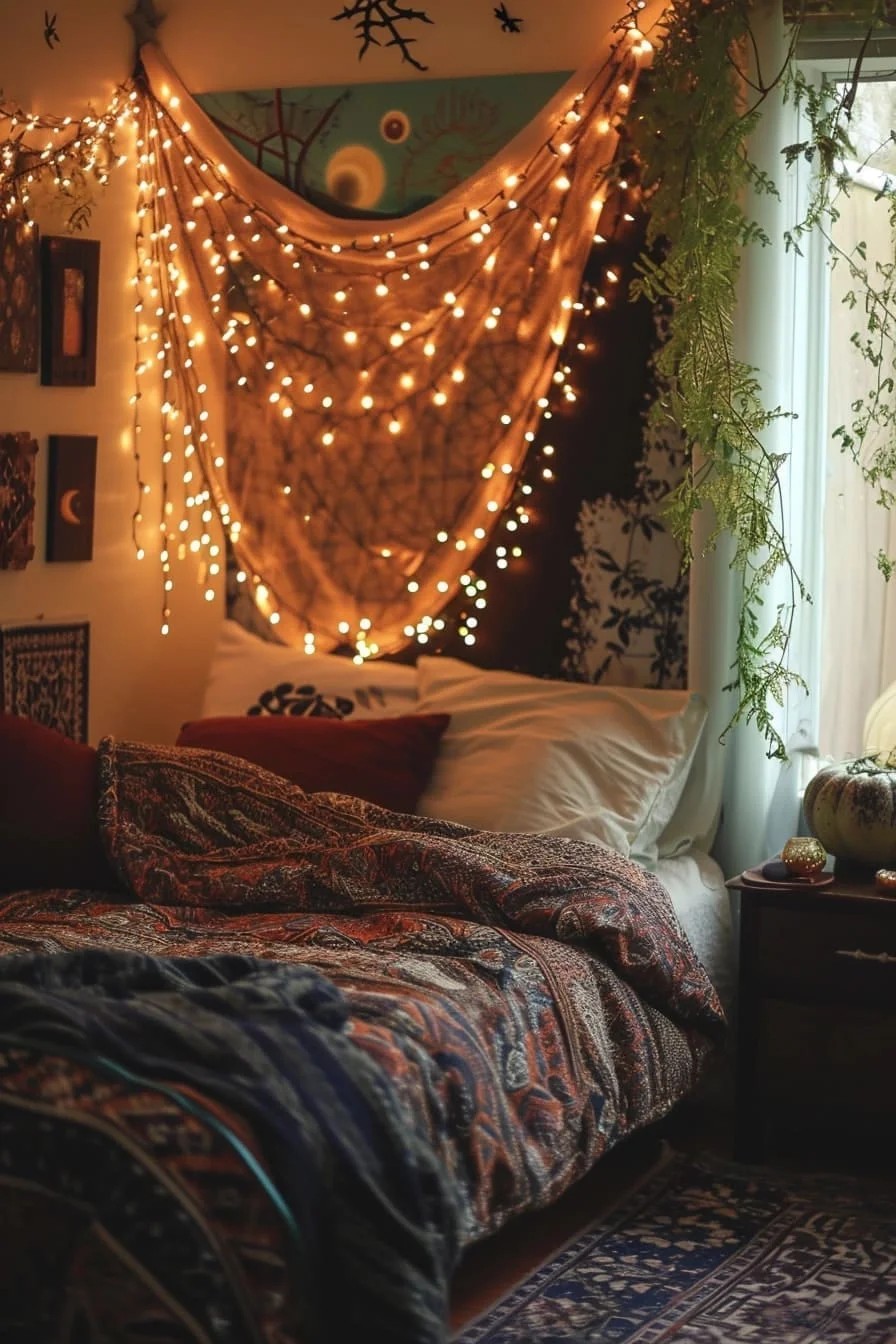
(703, 100)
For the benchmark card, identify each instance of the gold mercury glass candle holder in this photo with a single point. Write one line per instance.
(803, 856)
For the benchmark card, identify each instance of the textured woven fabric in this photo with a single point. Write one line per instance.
(525, 1004)
(368, 1201)
(384, 377)
(712, 1253)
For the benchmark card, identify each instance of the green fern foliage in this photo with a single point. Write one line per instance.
(695, 114)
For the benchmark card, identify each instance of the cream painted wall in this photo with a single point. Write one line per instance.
(144, 685)
(141, 684)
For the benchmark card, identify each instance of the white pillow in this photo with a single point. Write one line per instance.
(696, 818)
(598, 763)
(248, 675)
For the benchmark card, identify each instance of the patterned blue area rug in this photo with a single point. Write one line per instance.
(705, 1252)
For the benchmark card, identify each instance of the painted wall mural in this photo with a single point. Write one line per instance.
(379, 149)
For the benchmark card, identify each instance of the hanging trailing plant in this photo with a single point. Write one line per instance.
(703, 101)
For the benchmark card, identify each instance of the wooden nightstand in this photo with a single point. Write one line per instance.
(816, 1017)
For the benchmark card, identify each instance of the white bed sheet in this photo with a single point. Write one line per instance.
(696, 885)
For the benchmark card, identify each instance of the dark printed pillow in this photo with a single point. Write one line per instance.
(385, 761)
(304, 701)
(249, 675)
(48, 826)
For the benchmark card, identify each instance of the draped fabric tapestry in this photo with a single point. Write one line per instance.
(385, 379)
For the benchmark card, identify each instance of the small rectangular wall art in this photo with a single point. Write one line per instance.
(17, 454)
(19, 288)
(45, 671)
(70, 271)
(71, 496)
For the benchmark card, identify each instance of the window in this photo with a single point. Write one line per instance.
(856, 607)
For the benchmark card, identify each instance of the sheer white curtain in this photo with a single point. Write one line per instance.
(777, 305)
(858, 609)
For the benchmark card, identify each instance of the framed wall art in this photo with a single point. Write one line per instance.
(17, 455)
(19, 288)
(44, 670)
(70, 497)
(70, 273)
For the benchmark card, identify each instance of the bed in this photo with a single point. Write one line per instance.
(303, 1049)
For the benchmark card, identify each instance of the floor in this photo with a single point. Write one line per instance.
(702, 1124)
(491, 1268)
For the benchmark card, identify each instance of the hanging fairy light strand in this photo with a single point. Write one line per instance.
(390, 339)
(384, 382)
(528, 505)
(69, 154)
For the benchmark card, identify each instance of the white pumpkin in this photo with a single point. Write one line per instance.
(851, 809)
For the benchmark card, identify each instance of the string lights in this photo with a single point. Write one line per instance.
(582, 346)
(385, 383)
(68, 154)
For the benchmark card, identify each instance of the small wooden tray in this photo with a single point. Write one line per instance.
(753, 877)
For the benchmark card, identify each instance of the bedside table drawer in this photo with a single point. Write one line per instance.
(844, 955)
(830, 1062)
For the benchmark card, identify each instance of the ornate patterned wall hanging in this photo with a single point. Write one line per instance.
(45, 675)
(599, 577)
(440, 402)
(17, 454)
(387, 379)
(19, 289)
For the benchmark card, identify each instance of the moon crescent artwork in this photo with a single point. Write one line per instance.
(72, 487)
(70, 507)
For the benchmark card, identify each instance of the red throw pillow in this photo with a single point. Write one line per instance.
(48, 827)
(386, 761)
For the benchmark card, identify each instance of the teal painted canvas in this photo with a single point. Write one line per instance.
(379, 149)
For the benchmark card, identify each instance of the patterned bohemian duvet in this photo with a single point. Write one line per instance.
(271, 1089)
